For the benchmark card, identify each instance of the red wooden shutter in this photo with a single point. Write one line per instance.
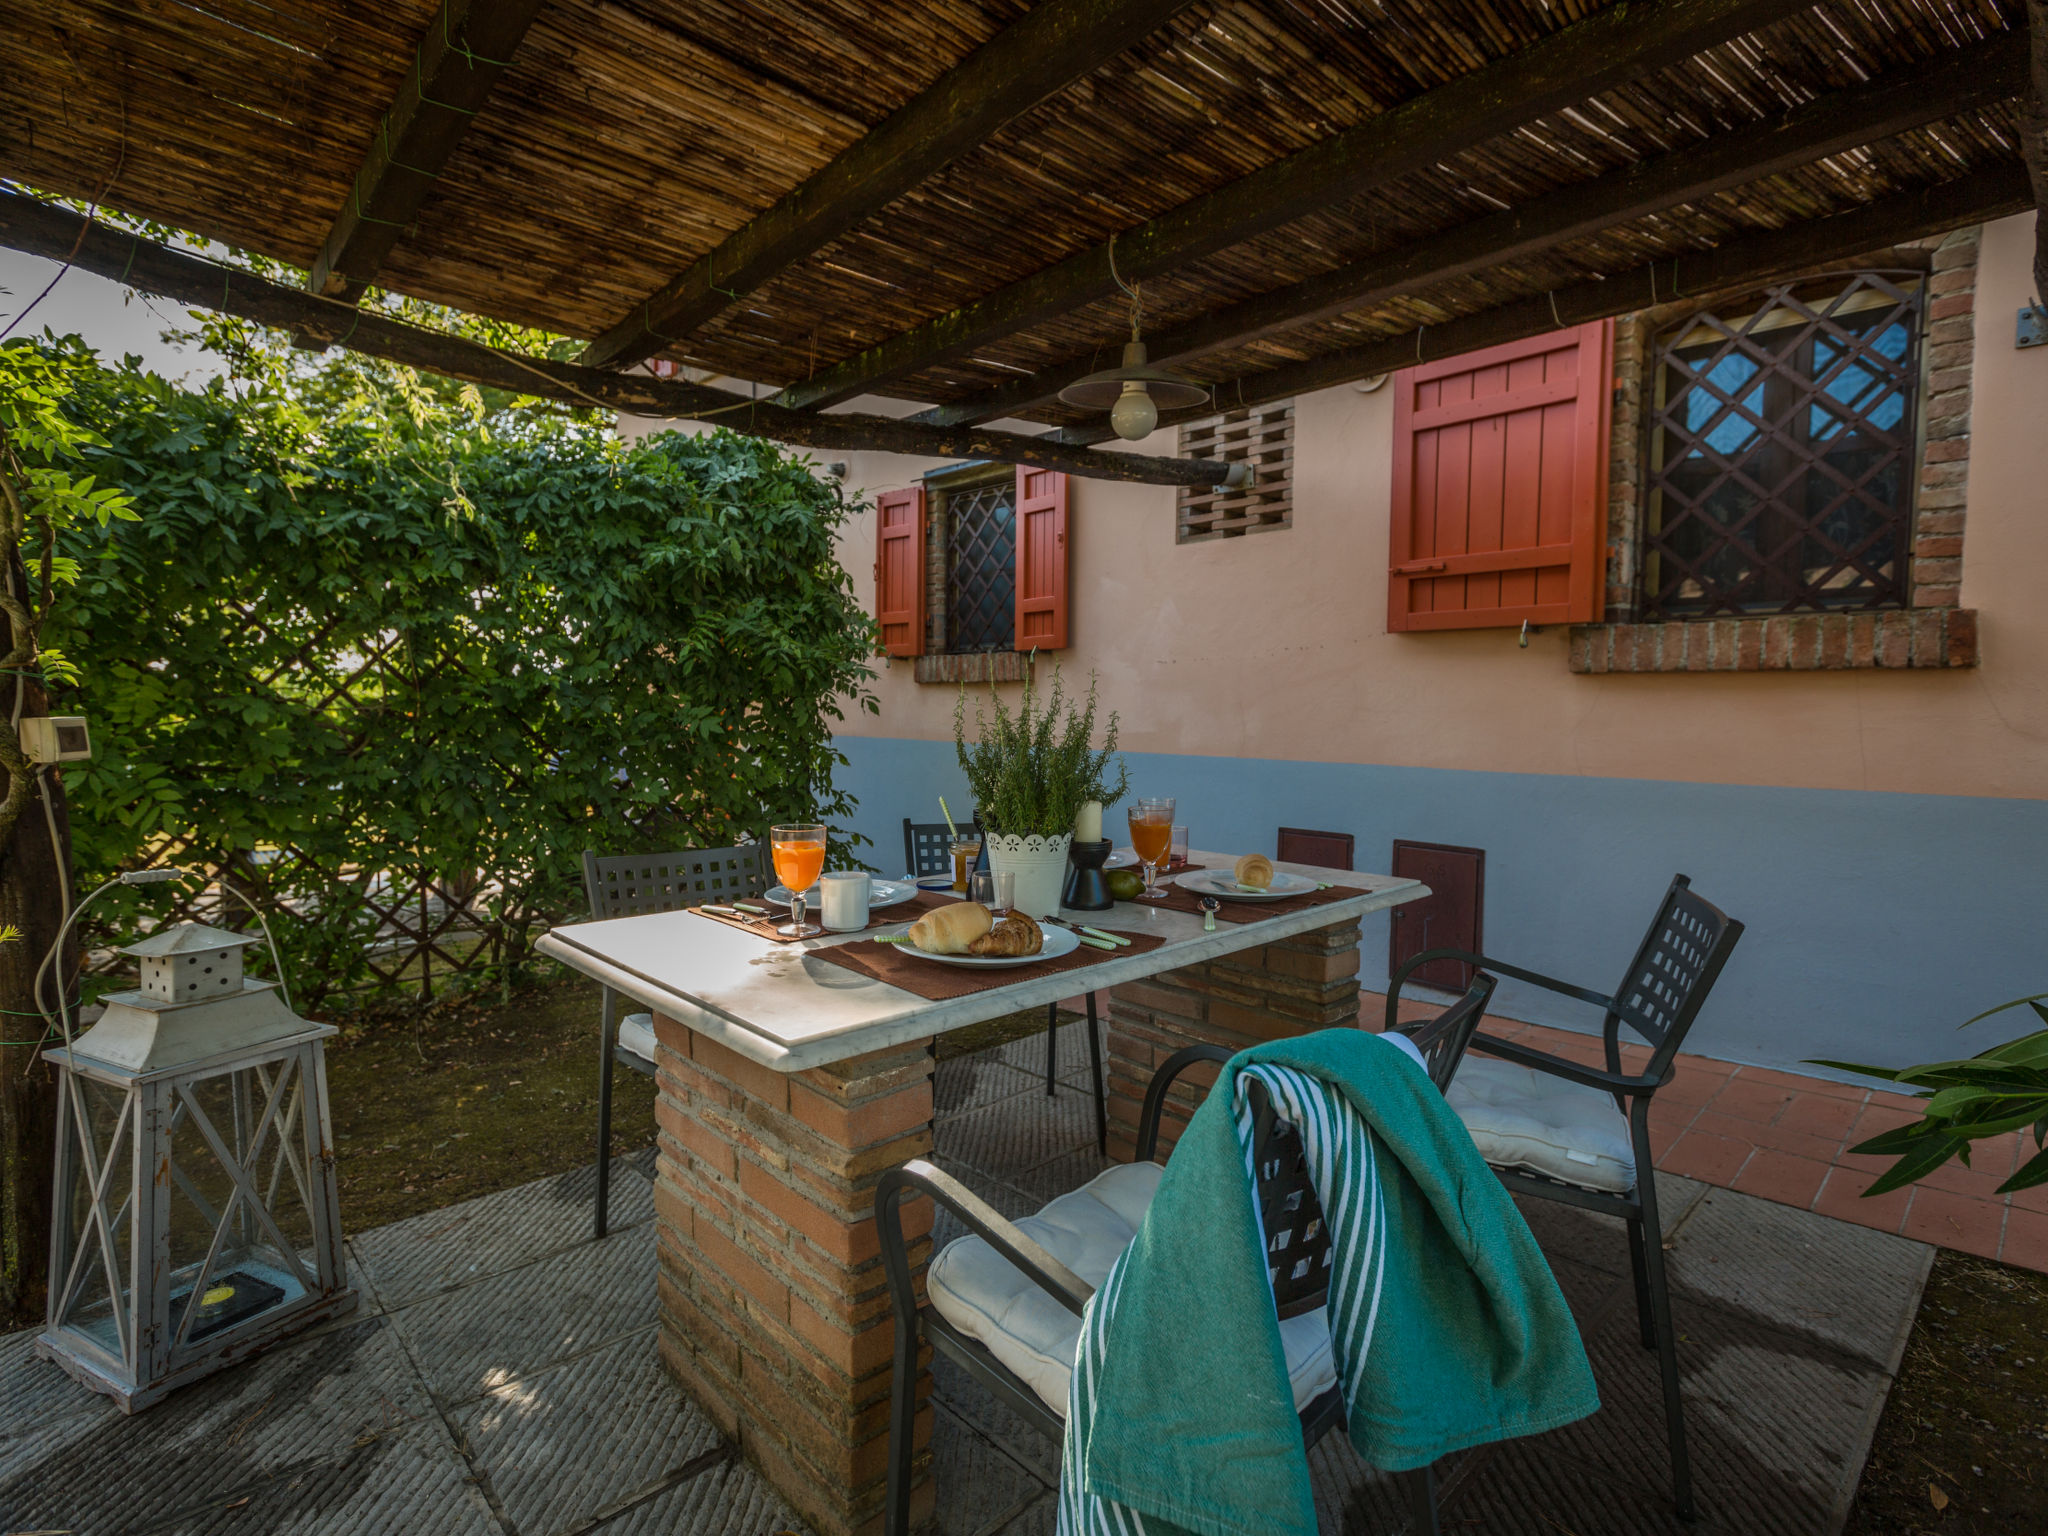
(1041, 559)
(1500, 485)
(899, 570)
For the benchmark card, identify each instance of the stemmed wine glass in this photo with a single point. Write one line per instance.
(799, 853)
(1152, 837)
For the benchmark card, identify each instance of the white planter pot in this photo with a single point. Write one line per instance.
(1040, 866)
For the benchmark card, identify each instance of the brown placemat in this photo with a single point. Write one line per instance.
(880, 917)
(1180, 899)
(941, 983)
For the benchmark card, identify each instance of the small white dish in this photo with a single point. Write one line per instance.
(1122, 858)
(1058, 941)
(883, 893)
(1223, 883)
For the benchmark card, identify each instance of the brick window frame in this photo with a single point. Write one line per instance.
(1261, 436)
(937, 664)
(1933, 630)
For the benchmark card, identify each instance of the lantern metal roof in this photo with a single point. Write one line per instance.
(186, 939)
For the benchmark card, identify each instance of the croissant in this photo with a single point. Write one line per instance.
(950, 930)
(1014, 935)
(1256, 871)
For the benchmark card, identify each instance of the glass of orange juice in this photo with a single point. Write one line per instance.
(799, 853)
(1152, 837)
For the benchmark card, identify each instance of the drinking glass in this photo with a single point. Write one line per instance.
(1152, 838)
(799, 854)
(994, 889)
(1177, 853)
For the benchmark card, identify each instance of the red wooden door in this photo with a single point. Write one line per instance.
(899, 570)
(1500, 485)
(1041, 559)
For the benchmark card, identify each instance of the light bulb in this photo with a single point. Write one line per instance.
(1134, 415)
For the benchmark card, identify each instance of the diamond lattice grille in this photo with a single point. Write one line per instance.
(981, 568)
(1782, 452)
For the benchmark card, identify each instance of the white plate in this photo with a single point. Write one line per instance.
(1058, 941)
(883, 893)
(1223, 883)
(1123, 858)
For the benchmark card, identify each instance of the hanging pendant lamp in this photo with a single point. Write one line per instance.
(1133, 393)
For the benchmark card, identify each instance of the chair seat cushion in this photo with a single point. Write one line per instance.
(989, 1299)
(636, 1034)
(1522, 1118)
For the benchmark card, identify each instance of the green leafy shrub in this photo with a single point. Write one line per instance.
(2005, 1089)
(331, 659)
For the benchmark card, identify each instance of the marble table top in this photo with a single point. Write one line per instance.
(775, 1004)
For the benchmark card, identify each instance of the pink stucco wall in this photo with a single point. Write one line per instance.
(1275, 645)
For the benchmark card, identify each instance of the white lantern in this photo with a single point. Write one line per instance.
(196, 1219)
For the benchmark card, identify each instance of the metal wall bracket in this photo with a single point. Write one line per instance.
(2033, 326)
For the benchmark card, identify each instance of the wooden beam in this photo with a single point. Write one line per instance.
(1616, 45)
(2034, 140)
(1991, 193)
(1972, 77)
(44, 229)
(1055, 44)
(468, 45)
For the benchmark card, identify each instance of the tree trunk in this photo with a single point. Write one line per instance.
(30, 900)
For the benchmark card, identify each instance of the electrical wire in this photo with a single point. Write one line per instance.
(62, 1018)
(276, 955)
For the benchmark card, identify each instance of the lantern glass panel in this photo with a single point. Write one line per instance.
(240, 1233)
(99, 1226)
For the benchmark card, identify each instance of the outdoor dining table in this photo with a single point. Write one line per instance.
(788, 1083)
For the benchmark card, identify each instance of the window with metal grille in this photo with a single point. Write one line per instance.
(981, 566)
(1259, 435)
(1782, 448)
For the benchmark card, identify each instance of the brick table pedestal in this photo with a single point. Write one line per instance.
(1288, 987)
(774, 1308)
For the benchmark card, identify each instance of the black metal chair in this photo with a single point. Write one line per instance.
(1298, 1255)
(1660, 995)
(623, 885)
(927, 850)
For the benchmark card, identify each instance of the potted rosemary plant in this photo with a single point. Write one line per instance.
(1031, 772)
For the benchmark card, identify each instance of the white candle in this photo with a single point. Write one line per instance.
(1088, 822)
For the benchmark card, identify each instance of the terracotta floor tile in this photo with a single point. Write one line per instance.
(1877, 1118)
(1782, 1176)
(1762, 1102)
(1842, 1198)
(1781, 1138)
(1955, 1221)
(1981, 1178)
(1801, 1083)
(2026, 1239)
(1716, 1159)
(1691, 1087)
(1891, 1100)
(1821, 1114)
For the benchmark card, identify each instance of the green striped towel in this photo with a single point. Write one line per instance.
(1447, 1327)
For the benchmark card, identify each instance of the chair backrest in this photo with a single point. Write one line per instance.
(1325, 850)
(1442, 1040)
(927, 848)
(1665, 985)
(1298, 1250)
(623, 884)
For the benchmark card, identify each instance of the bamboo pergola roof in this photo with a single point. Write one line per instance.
(934, 200)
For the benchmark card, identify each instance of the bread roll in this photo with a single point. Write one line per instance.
(1255, 871)
(949, 930)
(1015, 935)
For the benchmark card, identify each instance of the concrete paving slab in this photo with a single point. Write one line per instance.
(465, 1243)
(42, 1410)
(970, 1082)
(302, 1406)
(954, 1390)
(498, 1331)
(1589, 1237)
(561, 1444)
(1016, 1135)
(1851, 1287)
(1059, 1175)
(980, 1489)
(1070, 1063)
(729, 1500)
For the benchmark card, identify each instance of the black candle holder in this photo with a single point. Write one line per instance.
(1087, 888)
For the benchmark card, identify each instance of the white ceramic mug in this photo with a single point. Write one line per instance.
(843, 899)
